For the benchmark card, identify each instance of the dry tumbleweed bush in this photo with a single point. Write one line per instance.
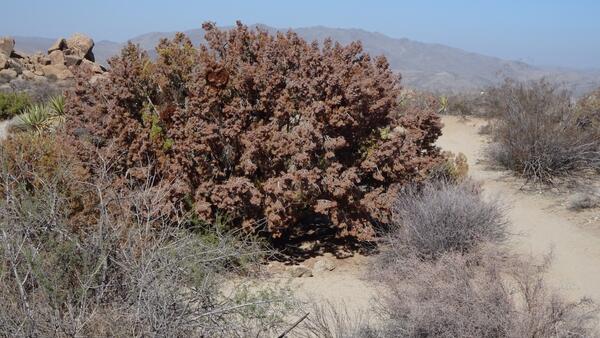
(538, 133)
(266, 129)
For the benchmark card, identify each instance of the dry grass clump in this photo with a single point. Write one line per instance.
(584, 200)
(441, 216)
(463, 104)
(326, 319)
(537, 134)
(454, 168)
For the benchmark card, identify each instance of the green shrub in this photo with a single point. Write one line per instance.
(12, 104)
(42, 117)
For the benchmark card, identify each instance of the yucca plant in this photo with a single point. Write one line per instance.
(43, 117)
(57, 105)
(57, 109)
(36, 117)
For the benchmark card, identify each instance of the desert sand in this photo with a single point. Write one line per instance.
(539, 219)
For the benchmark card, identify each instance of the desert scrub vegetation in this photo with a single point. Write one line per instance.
(483, 293)
(445, 273)
(12, 104)
(587, 111)
(79, 257)
(42, 117)
(441, 216)
(453, 169)
(269, 130)
(537, 133)
(463, 104)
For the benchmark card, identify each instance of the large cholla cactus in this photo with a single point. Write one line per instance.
(266, 129)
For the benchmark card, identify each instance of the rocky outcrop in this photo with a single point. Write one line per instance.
(64, 57)
(80, 46)
(7, 45)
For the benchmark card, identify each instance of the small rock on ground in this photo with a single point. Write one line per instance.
(300, 271)
(324, 264)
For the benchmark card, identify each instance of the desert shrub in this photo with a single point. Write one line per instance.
(462, 104)
(57, 105)
(479, 294)
(587, 111)
(127, 269)
(584, 200)
(536, 132)
(12, 104)
(326, 319)
(42, 117)
(485, 129)
(442, 216)
(266, 129)
(454, 168)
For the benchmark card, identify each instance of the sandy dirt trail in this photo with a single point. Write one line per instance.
(540, 220)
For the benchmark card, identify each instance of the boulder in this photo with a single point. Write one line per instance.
(57, 58)
(18, 54)
(7, 75)
(72, 60)
(60, 72)
(300, 271)
(44, 60)
(81, 45)
(29, 75)
(3, 61)
(59, 44)
(15, 65)
(7, 45)
(324, 264)
(92, 66)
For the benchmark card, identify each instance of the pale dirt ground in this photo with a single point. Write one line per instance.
(3, 129)
(347, 285)
(539, 219)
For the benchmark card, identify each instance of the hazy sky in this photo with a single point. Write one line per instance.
(550, 32)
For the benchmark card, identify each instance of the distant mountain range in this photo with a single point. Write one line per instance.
(424, 66)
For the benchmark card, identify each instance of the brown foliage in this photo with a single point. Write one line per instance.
(265, 129)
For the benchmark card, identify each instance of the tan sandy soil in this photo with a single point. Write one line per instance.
(346, 284)
(539, 218)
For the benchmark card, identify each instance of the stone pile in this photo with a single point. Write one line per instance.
(59, 64)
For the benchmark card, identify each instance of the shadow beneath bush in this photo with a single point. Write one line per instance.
(320, 238)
